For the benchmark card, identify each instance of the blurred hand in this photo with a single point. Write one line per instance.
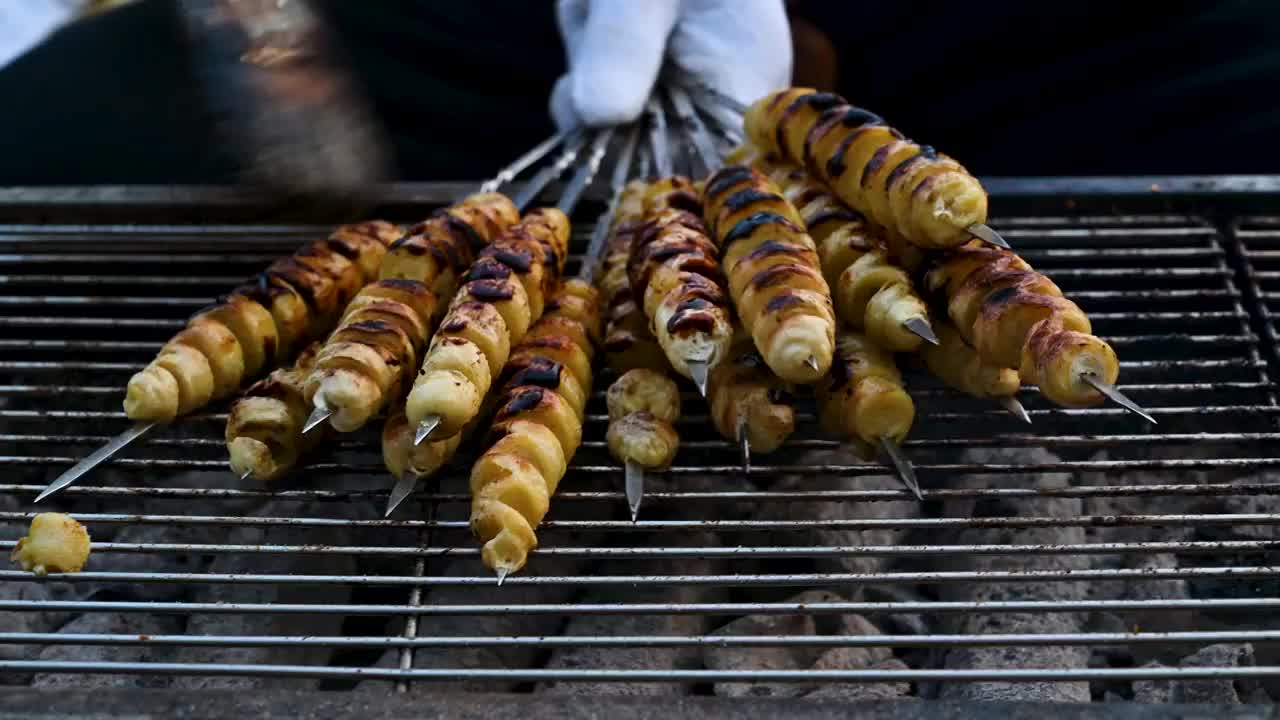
(25, 23)
(615, 49)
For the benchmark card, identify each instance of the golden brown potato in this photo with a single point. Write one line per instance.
(911, 190)
(56, 543)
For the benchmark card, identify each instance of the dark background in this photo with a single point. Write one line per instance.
(1080, 88)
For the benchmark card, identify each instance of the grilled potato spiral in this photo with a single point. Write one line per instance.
(960, 366)
(675, 277)
(628, 341)
(910, 190)
(643, 405)
(873, 293)
(366, 361)
(773, 272)
(260, 324)
(535, 248)
(1017, 318)
(863, 399)
(264, 428)
(744, 393)
(537, 429)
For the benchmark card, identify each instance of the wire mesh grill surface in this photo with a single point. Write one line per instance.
(1077, 550)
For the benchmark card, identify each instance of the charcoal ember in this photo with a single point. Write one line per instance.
(1213, 691)
(851, 692)
(982, 624)
(640, 658)
(269, 624)
(33, 621)
(511, 593)
(782, 658)
(154, 562)
(835, 511)
(135, 624)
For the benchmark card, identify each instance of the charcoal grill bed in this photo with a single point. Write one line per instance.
(1180, 274)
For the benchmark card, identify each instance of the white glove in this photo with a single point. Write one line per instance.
(25, 23)
(615, 49)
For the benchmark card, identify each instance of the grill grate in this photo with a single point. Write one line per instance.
(1089, 535)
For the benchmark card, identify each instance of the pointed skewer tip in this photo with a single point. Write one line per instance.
(404, 487)
(812, 362)
(1119, 398)
(246, 475)
(633, 479)
(744, 446)
(502, 574)
(1016, 409)
(906, 473)
(920, 327)
(987, 235)
(318, 415)
(425, 428)
(97, 457)
(698, 373)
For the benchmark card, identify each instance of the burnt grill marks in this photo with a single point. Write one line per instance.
(748, 225)
(488, 268)
(520, 399)
(875, 162)
(494, 290)
(747, 197)
(816, 101)
(926, 153)
(537, 371)
(472, 237)
(519, 260)
(727, 178)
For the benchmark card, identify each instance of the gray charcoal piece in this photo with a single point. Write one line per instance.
(768, 658)
(136, 624)
(319, 624)
(1217, 691)
(640, 658)
(35, 621)
(855, 692)
(1018, 656)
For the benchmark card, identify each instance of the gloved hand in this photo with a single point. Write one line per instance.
(615, 49)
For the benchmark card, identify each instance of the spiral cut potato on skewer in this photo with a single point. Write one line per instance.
(403, 458)
(1017, 318)
(536, 430)
(872, 291)
(746, 396)
(260, 324)
(365, 362)
(505, 292)
(643, 405)
(773, 272)
(960, 366)
(674, 275)
(863, 399)
(910, 190)
(264, 428)
(628, 341)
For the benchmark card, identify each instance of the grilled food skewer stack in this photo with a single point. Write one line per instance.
(486, 328)
(538, 425)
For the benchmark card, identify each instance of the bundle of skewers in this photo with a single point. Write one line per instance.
(809, 248)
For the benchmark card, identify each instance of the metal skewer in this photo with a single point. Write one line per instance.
(568, 200)
(407, 483)
(698, 371)
(633, 480)
(1011, 404)
(744, 444)
(1117, 397)
(246, 475)
(919, 327)
(984, 233)
(404, 487)
(903, 466)
(812, 362)
(572, 146)
(114, 446)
